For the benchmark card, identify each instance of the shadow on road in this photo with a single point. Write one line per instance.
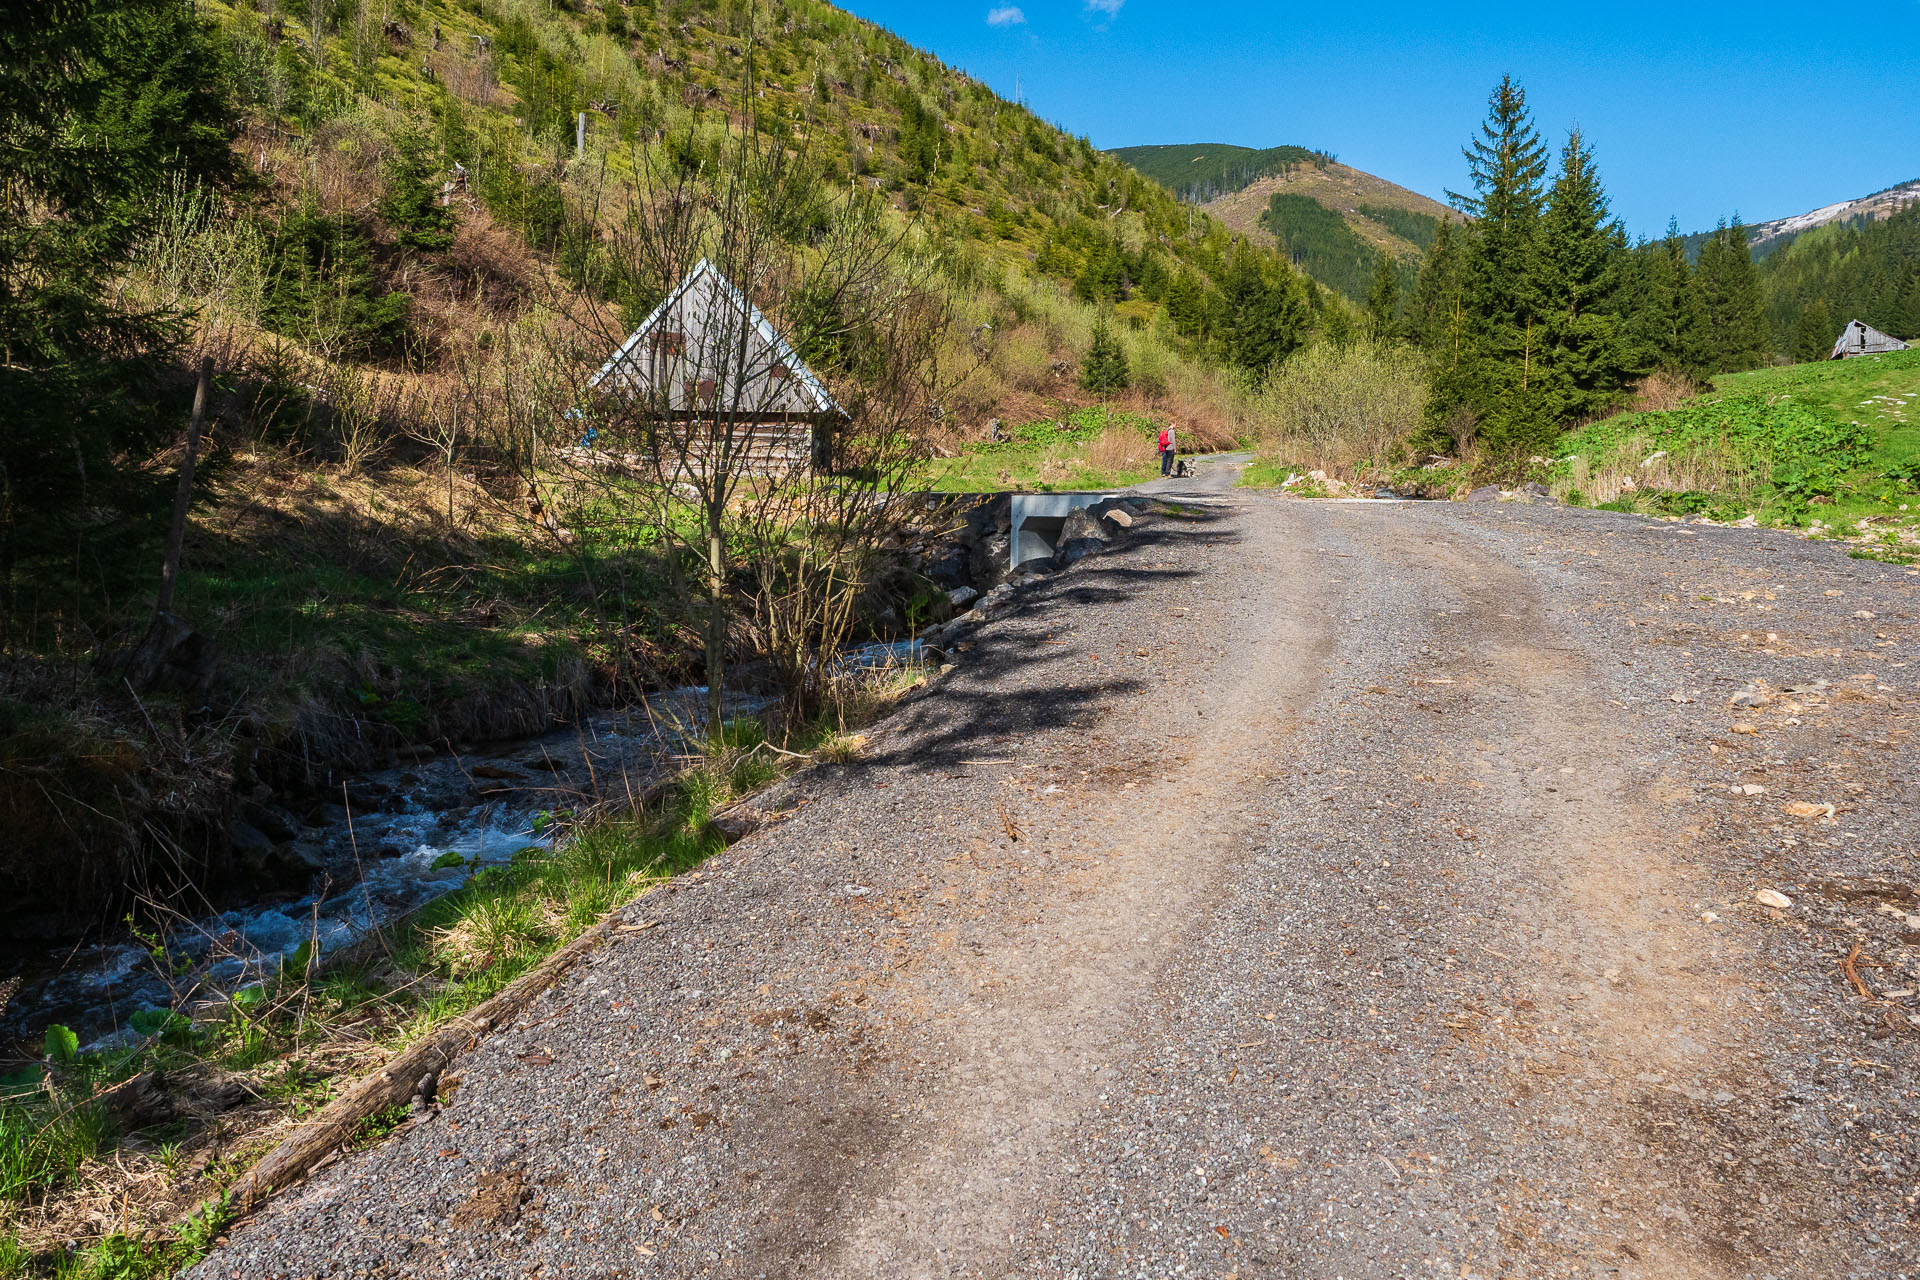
(1015, 681)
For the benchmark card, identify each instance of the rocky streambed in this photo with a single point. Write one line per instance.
(387, 843)
(320, 874)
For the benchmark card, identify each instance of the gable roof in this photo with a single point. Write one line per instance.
(688, 309)
(1863, 339)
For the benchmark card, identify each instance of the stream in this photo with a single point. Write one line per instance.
(390, 841)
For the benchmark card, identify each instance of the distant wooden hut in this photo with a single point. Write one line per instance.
(708, 363)
(1859, 339)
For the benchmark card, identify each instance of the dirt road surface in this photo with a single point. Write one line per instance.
(1302, 889)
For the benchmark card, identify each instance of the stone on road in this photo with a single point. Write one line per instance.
(1298, 889)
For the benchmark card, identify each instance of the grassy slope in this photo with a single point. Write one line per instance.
(1880, 393)
(342, 591)
(1095, 448)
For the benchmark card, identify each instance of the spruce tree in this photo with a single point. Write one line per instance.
(1105, 368)
(1584, 355)
(1498, 372)
(103, 104)
(411, 204)
(1383, 300)
(1733, 314)
(1262, 313)
(1670, 318)
(1814, 332)
(1434, 312)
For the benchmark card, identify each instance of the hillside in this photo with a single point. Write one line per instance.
(385, 237)
(1833, 446)
(1768, 238)
(1240, 187)
(1849, 270)
(1204, 171)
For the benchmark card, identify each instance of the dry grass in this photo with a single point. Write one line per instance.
(471, 79)
(1663, 389)
(1638, 464)
(1121, 449)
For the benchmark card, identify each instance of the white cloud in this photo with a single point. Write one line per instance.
(1105, 8)
(1008, 16)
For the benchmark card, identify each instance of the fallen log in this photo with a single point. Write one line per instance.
(398, 1081)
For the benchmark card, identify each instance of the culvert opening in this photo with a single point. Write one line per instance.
(1036, 519)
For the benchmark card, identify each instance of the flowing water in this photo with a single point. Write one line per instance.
(396, 839)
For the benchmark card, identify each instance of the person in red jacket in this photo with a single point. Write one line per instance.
(1167, 447)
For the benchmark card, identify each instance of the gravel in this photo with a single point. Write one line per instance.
(1303, 888)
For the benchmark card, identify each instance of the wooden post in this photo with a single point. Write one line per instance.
(177, 531)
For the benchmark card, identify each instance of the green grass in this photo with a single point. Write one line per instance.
(415, 645)
(1266, 473)
(1833, 442)
(1051, 454)
(1859, 390)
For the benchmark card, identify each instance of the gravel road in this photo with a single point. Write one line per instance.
(1304, 889)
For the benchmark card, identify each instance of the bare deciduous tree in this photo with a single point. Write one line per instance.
(762, 426)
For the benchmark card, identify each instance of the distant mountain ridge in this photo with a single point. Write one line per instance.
(1268, 195)
(1202, 171)
(1767, 238)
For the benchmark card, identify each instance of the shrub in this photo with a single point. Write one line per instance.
(1343, 409)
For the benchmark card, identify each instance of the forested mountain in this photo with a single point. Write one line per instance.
(1770, 237)
(1845, 271)
(1332, 220)
(1202, 171)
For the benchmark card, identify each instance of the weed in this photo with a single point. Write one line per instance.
(44, 1142)
(377, 1126)
(1886, 554)
(840, 748)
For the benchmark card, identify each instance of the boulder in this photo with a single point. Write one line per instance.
(1082, 523)
(961, 597)
(990, 557)
(248, 838)
(1119, 518)
(949, 565)
(1485, 493)
(1081, 535)
(276, 822)
(1534, 489)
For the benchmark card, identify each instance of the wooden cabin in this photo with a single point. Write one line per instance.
(1859, 339)
(710, 366)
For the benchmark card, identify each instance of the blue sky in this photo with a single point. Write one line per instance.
(1697, 110)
